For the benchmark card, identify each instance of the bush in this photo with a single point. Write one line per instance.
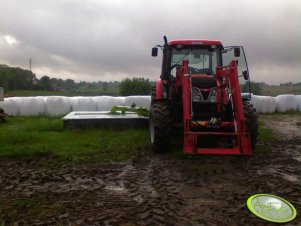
(135, 86)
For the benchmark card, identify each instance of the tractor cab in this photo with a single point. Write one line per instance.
(204, 56)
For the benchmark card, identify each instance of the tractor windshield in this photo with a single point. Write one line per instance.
(201, 61)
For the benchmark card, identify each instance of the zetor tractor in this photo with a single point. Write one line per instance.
(199, 95)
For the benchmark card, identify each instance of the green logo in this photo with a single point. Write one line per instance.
(271, 208)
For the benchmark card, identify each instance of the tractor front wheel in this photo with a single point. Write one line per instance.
(160, 126)
(251, 122)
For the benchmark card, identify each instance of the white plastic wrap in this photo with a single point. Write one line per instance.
(83, 104)
(32, 106)
(286, 102)
(11, 106)
(268, 104)
(57, 106)
(298, 100)
(255, 100)
(264, 104)
(139, 101)
(105, 103)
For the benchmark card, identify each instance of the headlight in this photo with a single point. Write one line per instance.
(195, 90)
(213, 99)
(197, 98)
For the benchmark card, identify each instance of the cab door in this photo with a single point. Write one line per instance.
(237, 53)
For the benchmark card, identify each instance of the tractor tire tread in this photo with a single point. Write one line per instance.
(251, 122)
(162, 122)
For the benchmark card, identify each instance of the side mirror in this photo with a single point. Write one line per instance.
(237, 52)
(154, 52)
(245, 74)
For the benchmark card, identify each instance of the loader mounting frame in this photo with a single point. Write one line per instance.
(226, 76)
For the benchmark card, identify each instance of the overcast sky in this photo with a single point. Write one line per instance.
(107, 40)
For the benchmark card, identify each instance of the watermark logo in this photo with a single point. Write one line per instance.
(271, 208)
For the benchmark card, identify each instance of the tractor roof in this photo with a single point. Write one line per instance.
(195, 42)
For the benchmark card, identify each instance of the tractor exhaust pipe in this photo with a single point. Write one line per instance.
(165, 40)
(165, 71)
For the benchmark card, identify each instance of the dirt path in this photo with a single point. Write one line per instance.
(151, 190)
(285, 126)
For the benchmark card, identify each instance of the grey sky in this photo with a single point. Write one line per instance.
(98, 40)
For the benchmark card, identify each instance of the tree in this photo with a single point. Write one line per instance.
(16, 78)
(135, 86)
(44, 83)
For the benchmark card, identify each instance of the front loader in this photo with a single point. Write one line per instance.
(199, 94)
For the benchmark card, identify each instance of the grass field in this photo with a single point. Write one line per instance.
(28, 137)
(33, 137)
(278, 90)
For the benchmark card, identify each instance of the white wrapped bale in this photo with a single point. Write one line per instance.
(83, 104)
(286, 102)
(11, 106)
(264, 104)
(57, 105)
(275, 104)
(32, 106)
(268, 104)
(105, 103)
(139, 101)
(257, 104)
(298, 100)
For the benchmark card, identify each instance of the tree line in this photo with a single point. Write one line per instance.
(12, 78)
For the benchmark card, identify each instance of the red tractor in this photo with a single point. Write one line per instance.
(199, 91)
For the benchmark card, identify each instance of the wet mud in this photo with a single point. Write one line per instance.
(151, 189)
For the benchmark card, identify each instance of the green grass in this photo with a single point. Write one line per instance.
(265, 134)
(273, 90)
(36, 137)
(20, 204)
(289, 112)
(32, 207)
(29, 137)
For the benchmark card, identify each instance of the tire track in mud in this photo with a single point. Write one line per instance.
(150, 190)
(112, 196)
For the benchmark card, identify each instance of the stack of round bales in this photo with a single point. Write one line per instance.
(105, 103)
(286, 102)
(57, 105)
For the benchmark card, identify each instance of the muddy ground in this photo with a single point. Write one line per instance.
(155, 189)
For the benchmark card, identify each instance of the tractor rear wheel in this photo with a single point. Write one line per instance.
(160, 126)
(251, 122)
